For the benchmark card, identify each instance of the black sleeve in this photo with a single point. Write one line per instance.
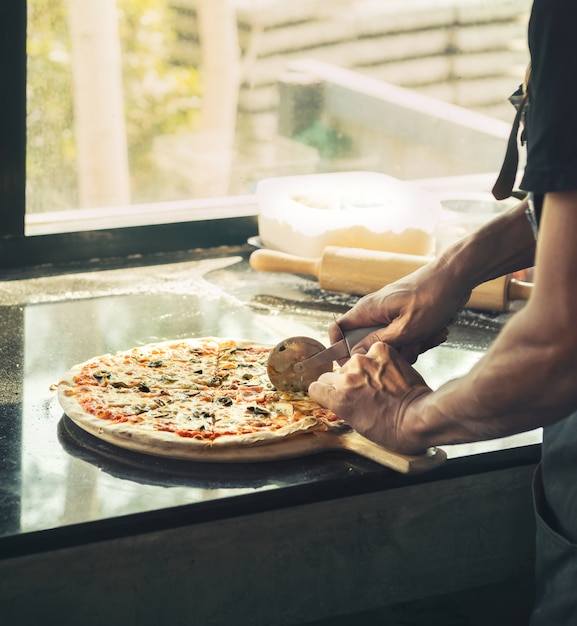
(551, 119)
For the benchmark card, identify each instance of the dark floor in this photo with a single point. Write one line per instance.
(507, 604)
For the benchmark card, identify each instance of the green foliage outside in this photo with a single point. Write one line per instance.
(160, 99)
(331, 143)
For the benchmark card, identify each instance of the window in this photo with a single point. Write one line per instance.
(148, 123)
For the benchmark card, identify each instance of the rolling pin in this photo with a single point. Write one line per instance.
(357, 271)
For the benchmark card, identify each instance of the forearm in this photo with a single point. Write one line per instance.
(527, 378)
(504, 245)
(513, 388)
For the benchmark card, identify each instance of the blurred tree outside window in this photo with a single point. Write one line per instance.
(156, 97)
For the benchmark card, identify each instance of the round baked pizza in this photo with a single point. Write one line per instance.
(200, 398)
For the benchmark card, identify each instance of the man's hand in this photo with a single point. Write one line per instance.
(372, 393)
(415, 312)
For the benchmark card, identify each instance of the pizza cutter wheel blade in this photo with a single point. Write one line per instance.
(296, 362)
(287, 354)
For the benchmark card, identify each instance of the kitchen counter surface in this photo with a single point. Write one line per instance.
(55, 476)
(61, 488)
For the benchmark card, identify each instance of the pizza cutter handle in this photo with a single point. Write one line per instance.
(354, 335)
(339, 350)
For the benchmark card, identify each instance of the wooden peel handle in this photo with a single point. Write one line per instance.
(402, 463)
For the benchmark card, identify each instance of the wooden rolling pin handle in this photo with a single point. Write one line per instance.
(274, 261)
(519, 289)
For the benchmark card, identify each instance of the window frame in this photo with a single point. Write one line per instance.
(12, 118)
(183, 227)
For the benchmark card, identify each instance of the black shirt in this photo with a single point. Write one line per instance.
(551, 118)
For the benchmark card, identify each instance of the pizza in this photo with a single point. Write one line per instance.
(189, 398)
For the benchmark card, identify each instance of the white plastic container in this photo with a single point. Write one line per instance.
(302, 215)
(464, 213)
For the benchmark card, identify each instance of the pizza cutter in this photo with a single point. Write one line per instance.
(296, 362)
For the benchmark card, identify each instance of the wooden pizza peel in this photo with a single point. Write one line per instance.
(323, 441)
(298, 445)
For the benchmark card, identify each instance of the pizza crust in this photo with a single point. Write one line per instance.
(299, 442)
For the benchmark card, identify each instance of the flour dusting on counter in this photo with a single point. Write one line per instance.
(177, 278)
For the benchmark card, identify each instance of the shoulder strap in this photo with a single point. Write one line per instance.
(503, 186)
